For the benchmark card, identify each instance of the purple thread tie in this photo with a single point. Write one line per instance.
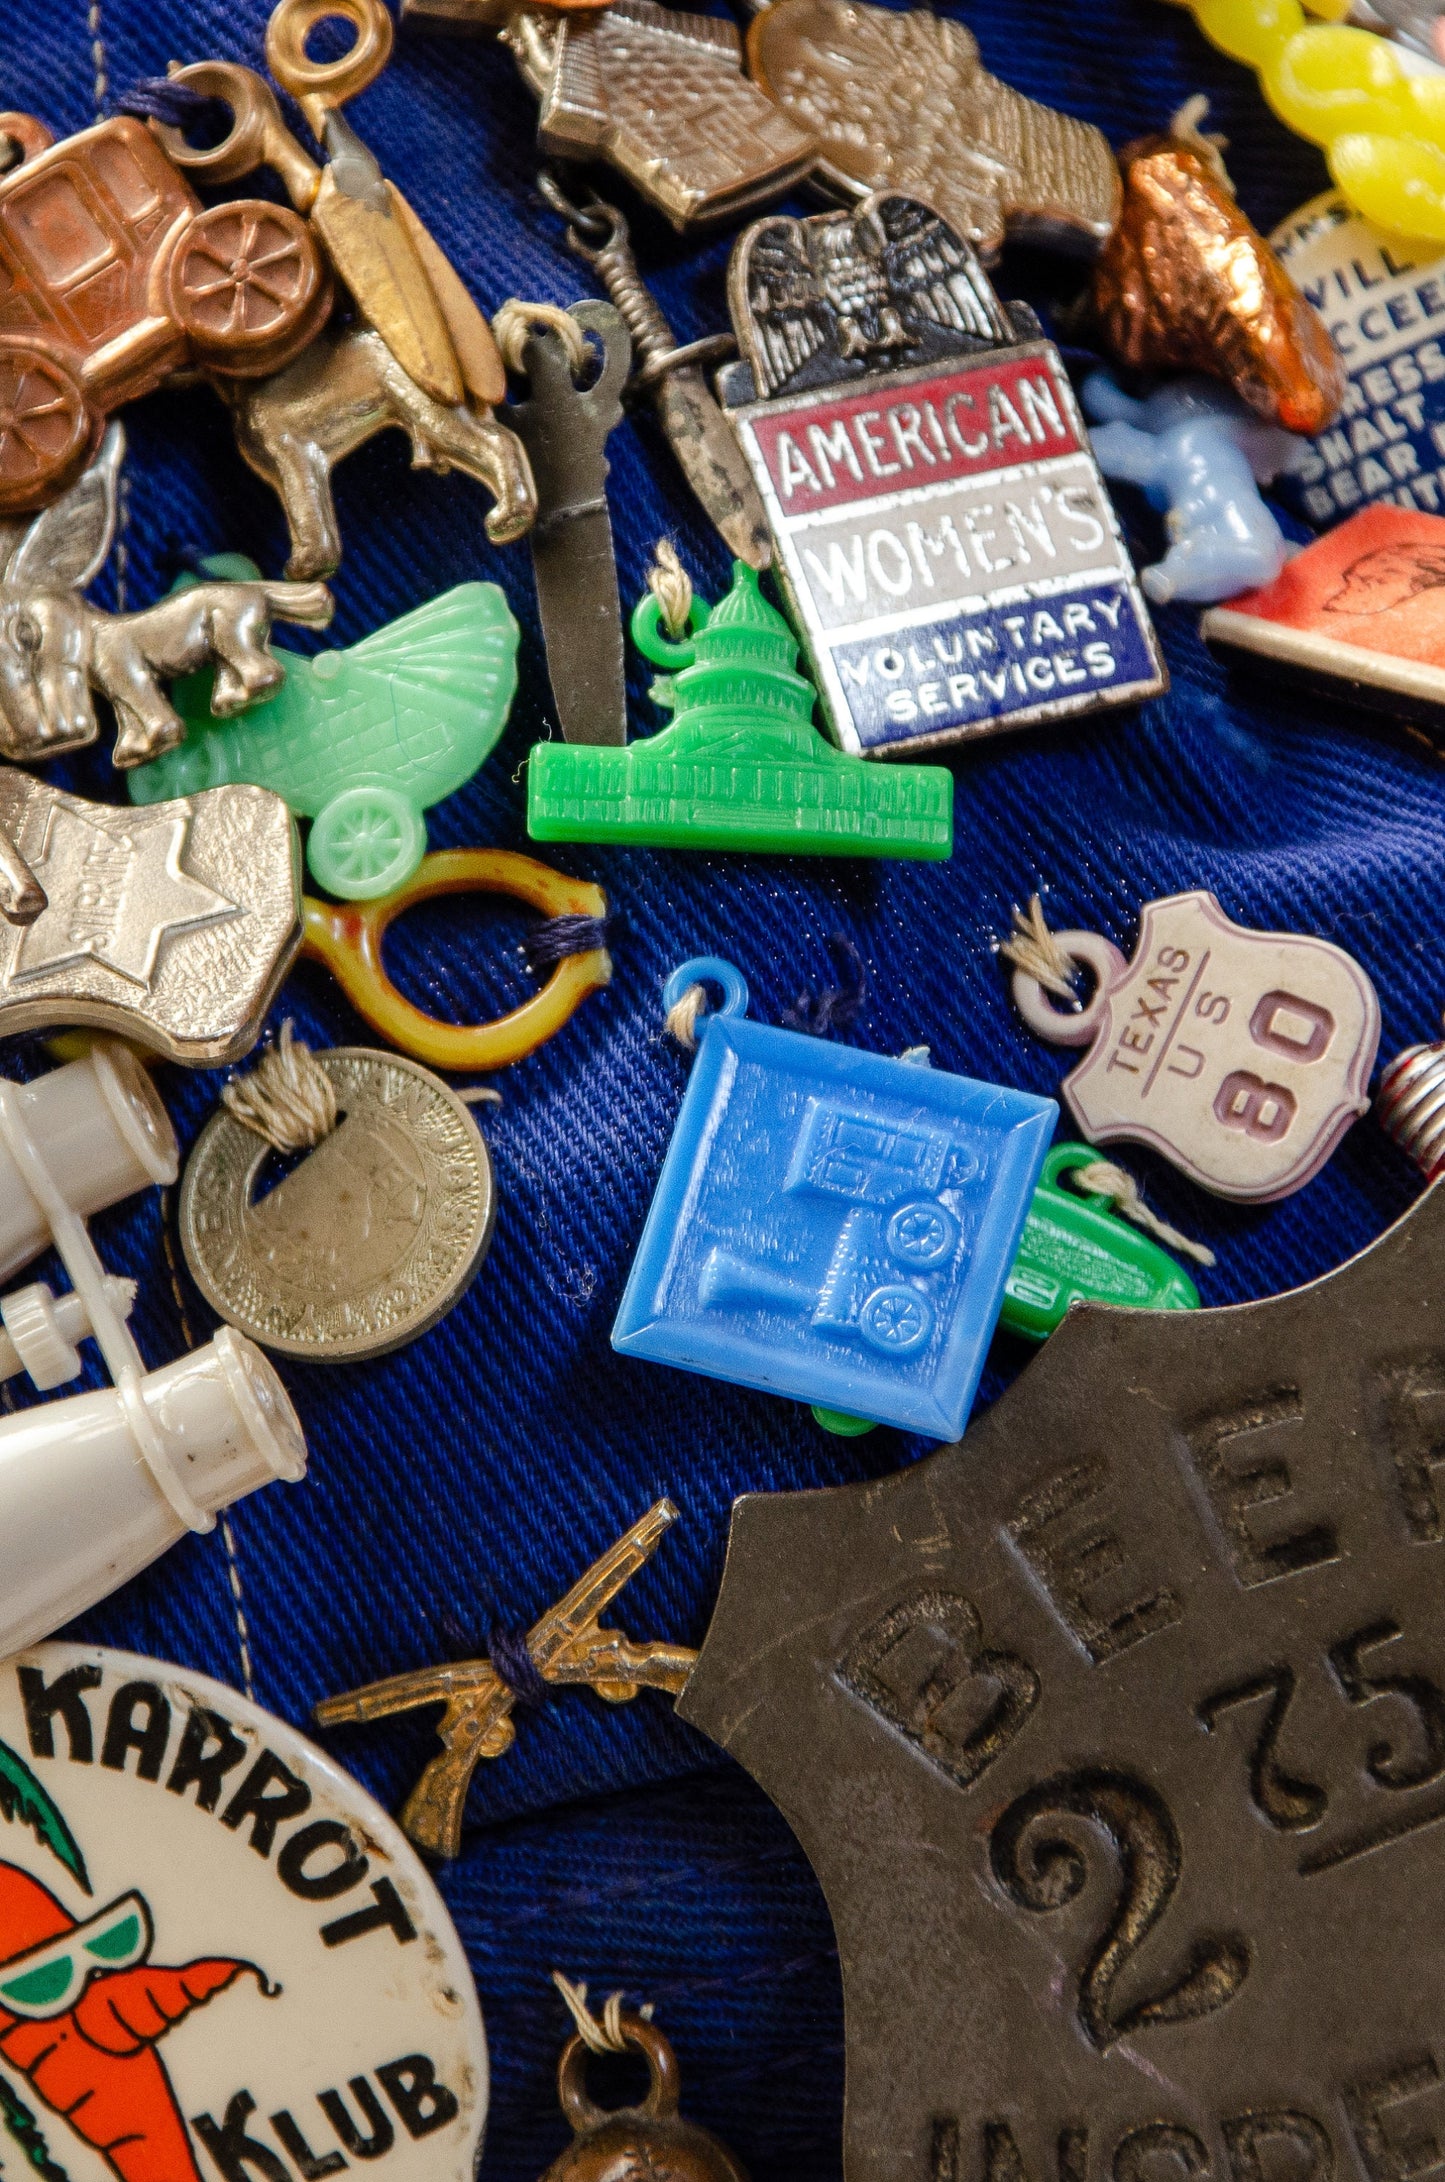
(559, 937)
(836, 1006)
(176, 106)
(507, 1650)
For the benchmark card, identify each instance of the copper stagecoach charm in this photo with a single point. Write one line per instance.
(112, 276)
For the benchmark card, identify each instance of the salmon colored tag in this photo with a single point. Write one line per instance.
(1242, 1056)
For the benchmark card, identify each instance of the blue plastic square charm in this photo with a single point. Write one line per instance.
(833, 1225)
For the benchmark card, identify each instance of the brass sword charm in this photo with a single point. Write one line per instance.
(671, 378)
(568, 1644)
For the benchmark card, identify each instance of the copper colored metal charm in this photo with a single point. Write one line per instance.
(900, 100)
(630, 2142)
(1187, 284)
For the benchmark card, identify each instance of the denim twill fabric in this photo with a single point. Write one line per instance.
(473, 1476)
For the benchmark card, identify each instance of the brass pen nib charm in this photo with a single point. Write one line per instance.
(568, 1644)
(1187, 284)
(899, 99)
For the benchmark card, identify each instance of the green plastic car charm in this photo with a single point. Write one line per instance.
(741, 765)
(359, 741)
(1074, 1249)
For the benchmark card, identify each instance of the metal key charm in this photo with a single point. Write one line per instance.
(564, 429)
(671, 378)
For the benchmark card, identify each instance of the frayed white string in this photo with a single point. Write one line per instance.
(599, 2037)
(1032, 948)
(288, 1098)
(1101, 1178)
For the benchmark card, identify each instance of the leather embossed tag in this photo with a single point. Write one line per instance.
(1116, 1735)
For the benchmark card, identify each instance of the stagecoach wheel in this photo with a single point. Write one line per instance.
(896, 1320)
(366, 842)
(923, 1234)
(48, 430)
(248, 286)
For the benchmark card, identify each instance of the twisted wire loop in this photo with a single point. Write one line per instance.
(1410, 1106)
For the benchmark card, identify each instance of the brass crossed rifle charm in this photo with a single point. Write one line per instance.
(568, 1644)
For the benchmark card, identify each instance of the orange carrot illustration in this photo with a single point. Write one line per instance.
(95, 2064)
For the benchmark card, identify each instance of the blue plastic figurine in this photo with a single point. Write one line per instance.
(1201, 457)
(832, 1225)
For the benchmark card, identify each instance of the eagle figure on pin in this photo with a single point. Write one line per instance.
(941, 530)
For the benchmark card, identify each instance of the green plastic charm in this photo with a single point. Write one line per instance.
(741, 766)
(1076, 1249)
(360, 741)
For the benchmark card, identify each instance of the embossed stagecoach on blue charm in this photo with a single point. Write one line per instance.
(832, 1225)
(941, 530)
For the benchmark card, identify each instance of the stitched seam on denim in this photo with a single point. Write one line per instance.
(97, 54)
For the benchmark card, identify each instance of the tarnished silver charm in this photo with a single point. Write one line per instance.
(172, 926)
(564, 429)
(366, 1243)
(941, 529)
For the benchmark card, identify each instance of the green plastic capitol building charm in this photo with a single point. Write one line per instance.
(741, 765)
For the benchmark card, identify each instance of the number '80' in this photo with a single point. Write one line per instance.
(1282, 1023)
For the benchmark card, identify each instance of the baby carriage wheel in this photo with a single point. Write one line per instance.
(365, 842)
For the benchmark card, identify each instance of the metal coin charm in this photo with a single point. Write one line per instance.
(1116, 1737)
(365, 1244)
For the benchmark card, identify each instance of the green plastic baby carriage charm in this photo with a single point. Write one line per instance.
(360, 741)
(741, 765)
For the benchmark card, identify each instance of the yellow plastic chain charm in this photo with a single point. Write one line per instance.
(1382, 128)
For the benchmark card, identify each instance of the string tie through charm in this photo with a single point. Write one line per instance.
(511, 1657)
(1101, 1178)
(683, 1016)
(516, 322)
(558, 937)
(671, 586)
(1032, 948)
(836, 1006)
(599, 2036)
(287, 1098)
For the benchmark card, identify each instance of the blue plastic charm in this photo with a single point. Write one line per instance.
(1201, 457)
(832, 1225)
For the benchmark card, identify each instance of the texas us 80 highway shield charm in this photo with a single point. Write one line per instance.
(1116, 1736)
(220, 1960)
(942, 532)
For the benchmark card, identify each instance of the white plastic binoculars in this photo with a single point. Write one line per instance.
(95, 1487)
